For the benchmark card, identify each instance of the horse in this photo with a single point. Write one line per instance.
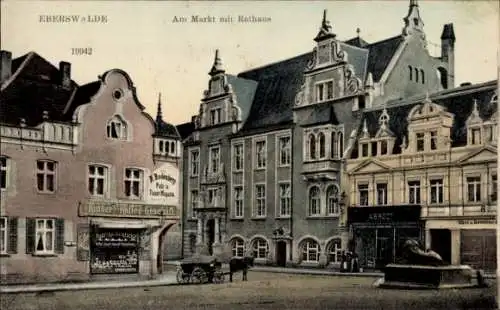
(240, 264)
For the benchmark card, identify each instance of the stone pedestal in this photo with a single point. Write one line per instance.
(430, 277)
(322, 260)
(202, 249)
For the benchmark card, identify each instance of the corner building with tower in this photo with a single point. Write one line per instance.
(267, 159)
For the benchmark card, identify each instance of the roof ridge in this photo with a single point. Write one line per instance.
(273, 63)
(28, 56)
(387, 39)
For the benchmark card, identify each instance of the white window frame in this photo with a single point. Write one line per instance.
(285, 199)
(475, 138)
(414, 191)
(46, 173)
(132, 180)
(238, 151)
(195, 200)
(308, 249)
(260, 154)
(214, 163)
(474, 184)
(335, 251)
(4, 235)
(215, 116)
(96, 176)
(237, 245)
(340, 144)
(314, 201)
(43, 231)
(213, 196)
(436, 185)
(260, 246)
(260, 200)
(285, 153)
(419, 137)
(321, 90)
(121, 132)
(364, 190)
(194, 160)
(382, 189)
(238, 201)
(4, 170)
(332, 200)
(433, 140)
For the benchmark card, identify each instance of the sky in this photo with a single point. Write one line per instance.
(161, 55)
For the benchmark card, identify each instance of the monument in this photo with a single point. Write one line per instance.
(419, 269)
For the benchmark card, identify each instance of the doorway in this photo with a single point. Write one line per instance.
(441, 243)
(281, 253)
(210, 235)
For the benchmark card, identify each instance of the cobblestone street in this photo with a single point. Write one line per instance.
(262, 291)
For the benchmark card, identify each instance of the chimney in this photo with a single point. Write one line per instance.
(6, 66)
(65, 71)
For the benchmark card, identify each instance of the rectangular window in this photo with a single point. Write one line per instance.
(488, 132)
(320, 92)
(260, 154)
(364, 149)
(194, 202)
(324, 91)
(476, 136)
(215, 116)
(329, 90)
(214, 159)
(238, 157)
(420, 141)
(133, 183)
(285, 199)
(213, 196)
(238, 201)
(260, 200)
(97, 181)
(363, 194)
(474, 189)
(3, 235)
(195, 162)
(3, 172)
(414, 192)
(381, 194)
(285, 151)
(494, 189)
(45, 176)
(437, 189)
(434, 140)
(44, 236)
(383, 147)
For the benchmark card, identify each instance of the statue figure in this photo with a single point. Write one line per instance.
(414, 255)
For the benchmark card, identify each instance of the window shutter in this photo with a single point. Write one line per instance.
(59, 246)
(30, 235)
(83, 242)
(12, 243)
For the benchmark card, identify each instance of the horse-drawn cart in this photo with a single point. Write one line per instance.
(200, 269)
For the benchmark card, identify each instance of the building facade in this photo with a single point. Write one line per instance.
(89, 182)
(426, 168)
(266, 154)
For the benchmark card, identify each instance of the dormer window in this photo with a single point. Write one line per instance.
(364, 149)
(383, 147)
(420, 137)
(434, 137)
(116, 128)
(324, 91)
(475, 136)
(215, 116)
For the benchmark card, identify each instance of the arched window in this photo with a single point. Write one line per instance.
(416, 75)
(161, 146)
(332, 200)
(410, 70)
(340, 142)
(260, 248)
(442, 74)
(422, 74)
(334, 251)
(310, 251)
(333, 146)
(172, 147)
(314, 201)
(238, 247)
(322, 151)
(312, 146)
(116, 128)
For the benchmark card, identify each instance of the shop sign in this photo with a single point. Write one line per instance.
(163, 185)
(386, 214)
(115, 252)
(111, 209)
(477, 221)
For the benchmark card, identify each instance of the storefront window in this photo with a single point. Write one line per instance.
(115, 251)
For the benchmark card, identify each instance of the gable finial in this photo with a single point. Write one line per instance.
(217, 67)
(413, 21)
(358, 31)
(325, 31)
(159, 116)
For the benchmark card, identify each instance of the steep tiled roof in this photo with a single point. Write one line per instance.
(381, 54)
(35, 88)
(83, 95)
(458, 101)
(165, 129)
(185, 129)
(357, 41)
(278, 84)
(245, 91)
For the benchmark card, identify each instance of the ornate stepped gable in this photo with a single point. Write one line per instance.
(476, 103)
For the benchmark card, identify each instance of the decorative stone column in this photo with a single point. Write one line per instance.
(218, 246)
(199, 234)
(322, 255)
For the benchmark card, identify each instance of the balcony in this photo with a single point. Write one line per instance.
(217, 204)
(321, 169)
(209, 177)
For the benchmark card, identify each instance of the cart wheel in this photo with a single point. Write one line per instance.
(180, 276)
(198, 276)
(218, 277)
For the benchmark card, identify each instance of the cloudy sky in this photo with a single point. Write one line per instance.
(160, 55)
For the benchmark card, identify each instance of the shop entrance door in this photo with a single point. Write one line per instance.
(441, 243)
(281, 253)
(210, 235)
